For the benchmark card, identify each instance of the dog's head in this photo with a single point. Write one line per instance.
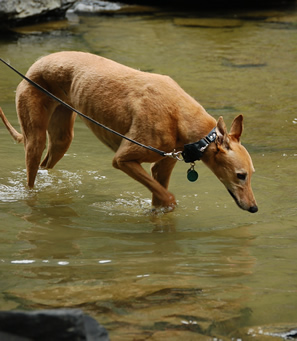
(232, 164)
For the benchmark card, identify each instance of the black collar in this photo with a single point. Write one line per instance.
(194, 151)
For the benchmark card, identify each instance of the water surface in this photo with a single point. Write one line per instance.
(84, 237)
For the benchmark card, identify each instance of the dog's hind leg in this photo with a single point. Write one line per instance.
(161, 171)
(60, 135)
(34, 132)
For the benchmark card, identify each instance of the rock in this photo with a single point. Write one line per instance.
(275, 332)
(15, 12)
(47, 325)
(89, 6)
(288, 22)
(107, 7)
(42, 27)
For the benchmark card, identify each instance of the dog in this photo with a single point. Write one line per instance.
(149, 108)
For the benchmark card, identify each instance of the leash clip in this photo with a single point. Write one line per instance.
(175, 155)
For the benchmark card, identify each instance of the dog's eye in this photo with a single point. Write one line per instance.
(241, 176)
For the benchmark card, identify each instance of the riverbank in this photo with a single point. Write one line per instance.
(15, 13)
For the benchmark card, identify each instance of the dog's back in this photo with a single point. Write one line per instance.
(127, 100)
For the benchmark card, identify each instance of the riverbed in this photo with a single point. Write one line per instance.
(85, 236)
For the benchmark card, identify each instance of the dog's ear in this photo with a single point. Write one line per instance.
(222, 134)
(236, 128)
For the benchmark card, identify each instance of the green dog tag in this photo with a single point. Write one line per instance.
(192, 175)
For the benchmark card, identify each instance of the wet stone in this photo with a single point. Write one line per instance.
(275, 332)
(42, 27)
(15, 12)
(286, 22)
(106, 7)
(46, 325)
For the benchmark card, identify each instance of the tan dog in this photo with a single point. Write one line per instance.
(149, 108)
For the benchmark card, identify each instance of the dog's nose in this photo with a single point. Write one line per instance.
(253, 209)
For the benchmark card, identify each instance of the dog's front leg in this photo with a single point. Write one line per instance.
(161, 196)
(161, 171)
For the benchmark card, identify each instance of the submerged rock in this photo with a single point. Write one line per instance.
(243, 62)
(208, 22)
(47, 325)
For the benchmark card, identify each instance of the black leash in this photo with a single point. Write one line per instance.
(160, 152)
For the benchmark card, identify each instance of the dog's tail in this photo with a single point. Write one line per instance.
(16, 135)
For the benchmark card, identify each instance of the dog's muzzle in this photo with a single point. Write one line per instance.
(252, 209)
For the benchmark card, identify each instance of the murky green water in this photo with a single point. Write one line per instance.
(84, 237)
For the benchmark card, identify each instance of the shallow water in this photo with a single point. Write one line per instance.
(84, 237)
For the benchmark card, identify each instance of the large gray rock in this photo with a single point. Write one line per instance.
(49, 325)
(96, 7)
(90, 6)
(17, 11)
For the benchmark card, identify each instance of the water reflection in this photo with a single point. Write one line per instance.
(51, 224)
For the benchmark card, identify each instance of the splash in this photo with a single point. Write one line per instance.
(128, 204)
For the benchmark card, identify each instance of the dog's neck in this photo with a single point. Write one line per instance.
(194, 151)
